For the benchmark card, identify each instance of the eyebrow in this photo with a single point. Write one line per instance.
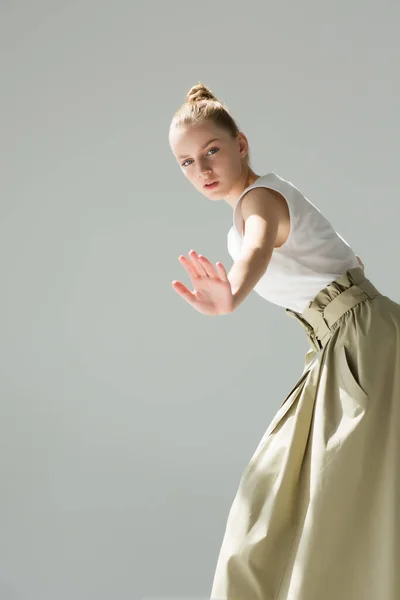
(205, 145)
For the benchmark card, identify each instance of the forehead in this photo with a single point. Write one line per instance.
(188, 139)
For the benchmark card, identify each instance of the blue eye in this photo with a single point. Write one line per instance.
(184, 164)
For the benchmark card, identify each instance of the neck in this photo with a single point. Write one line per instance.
(247, 178)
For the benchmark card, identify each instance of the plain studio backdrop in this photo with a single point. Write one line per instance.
(126, 417)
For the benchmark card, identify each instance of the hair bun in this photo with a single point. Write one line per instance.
(199, 93)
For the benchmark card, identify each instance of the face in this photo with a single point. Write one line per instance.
(207, 153)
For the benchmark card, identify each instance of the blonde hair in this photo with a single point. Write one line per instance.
(201, 105)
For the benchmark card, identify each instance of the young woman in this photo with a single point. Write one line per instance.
(317, 512)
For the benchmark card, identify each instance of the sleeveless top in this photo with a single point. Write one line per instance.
(313, 256)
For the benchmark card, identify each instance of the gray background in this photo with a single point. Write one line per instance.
(127, 417)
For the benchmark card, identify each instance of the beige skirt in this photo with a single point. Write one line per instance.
(317, 512)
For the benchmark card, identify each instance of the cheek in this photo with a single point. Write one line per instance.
(228, 160)
(185, 172)
(190, 176)
(188, 173)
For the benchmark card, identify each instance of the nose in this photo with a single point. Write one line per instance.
(204, 170)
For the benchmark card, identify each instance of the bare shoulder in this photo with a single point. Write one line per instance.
(265, 212)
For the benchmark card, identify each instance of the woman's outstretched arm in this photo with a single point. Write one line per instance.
(215, 292)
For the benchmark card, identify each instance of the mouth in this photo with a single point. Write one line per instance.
(211, 186)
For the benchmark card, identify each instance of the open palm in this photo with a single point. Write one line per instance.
(212, 293)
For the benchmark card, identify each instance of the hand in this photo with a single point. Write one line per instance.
(212, 294)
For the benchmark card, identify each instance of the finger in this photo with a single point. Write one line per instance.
(183, 291)
(190, 268)
(222, 271)
(198, 264)
(208, 267)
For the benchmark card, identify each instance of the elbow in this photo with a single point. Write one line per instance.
(259, 256)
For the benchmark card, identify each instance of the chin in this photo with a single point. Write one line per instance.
(214, 195)
(213, 198)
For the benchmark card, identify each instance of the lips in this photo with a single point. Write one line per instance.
(210, 184)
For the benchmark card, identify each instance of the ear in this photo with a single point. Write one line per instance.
(243, 145)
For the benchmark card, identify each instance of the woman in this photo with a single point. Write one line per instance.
(317, 512)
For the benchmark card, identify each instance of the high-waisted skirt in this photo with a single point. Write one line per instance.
(317, 512)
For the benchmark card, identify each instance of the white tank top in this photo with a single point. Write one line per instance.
(313, 256)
